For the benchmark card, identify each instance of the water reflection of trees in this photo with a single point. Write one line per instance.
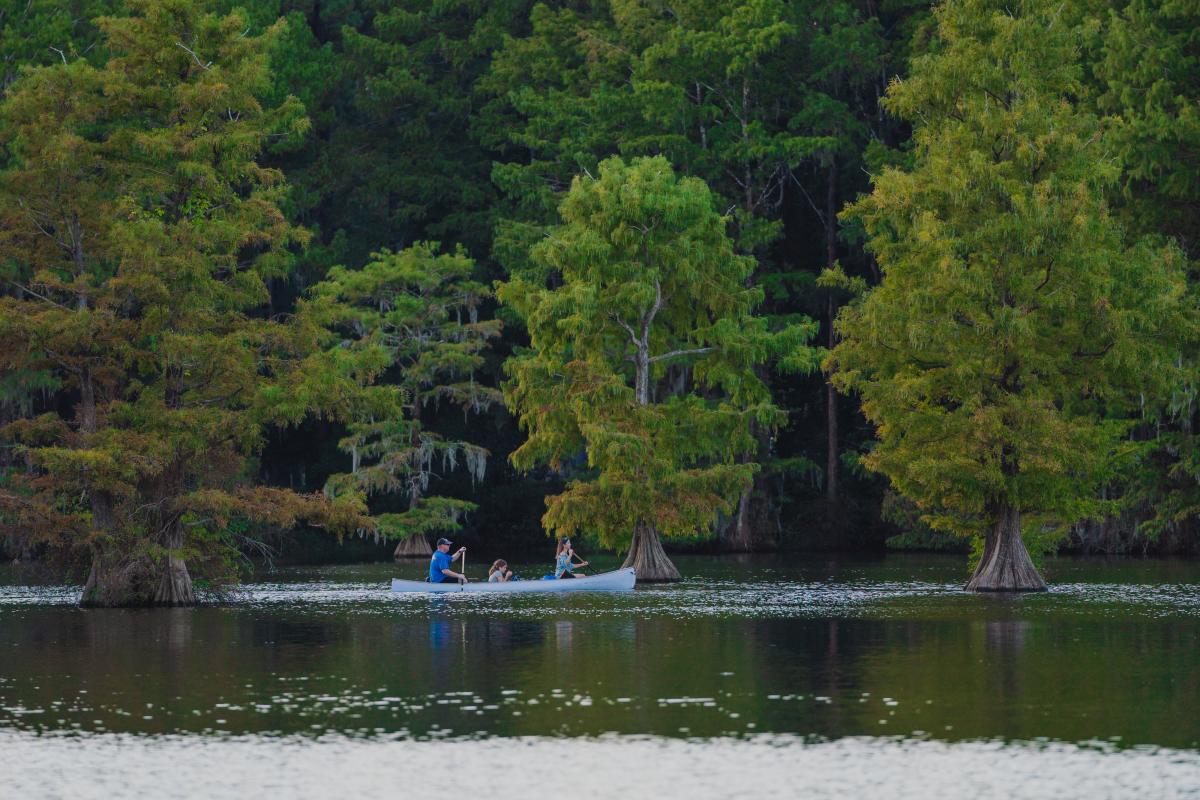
(1003, 675)
(1017, 678)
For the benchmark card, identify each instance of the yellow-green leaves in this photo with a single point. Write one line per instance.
(140, 236)
(640, 376)
(416, 313)
(1016, 323)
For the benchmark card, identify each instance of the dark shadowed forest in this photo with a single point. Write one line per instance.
(322, 280)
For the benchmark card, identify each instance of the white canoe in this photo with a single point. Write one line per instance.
(619, 580)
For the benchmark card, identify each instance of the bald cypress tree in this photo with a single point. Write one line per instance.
(1016, 324)
(412, 317)
(643, 343)
(139, 236)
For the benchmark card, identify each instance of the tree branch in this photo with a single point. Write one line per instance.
(820, 214)
(27, 290)
(658, 304)
(677, 353)
(628, 329)
(195, 57)
(1046, 279)
(29, 213)
(1093, 354)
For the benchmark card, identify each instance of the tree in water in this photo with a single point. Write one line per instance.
(412, 319)
(758, 99)
(140, 234)
(1003, 353)
(643, 344)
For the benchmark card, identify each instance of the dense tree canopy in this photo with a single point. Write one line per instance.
(41, 32)
(641, 355)
(1016, 325)
(139, 232)
(179, 182)
(769, 102)
(1147, 75)
(416, 312)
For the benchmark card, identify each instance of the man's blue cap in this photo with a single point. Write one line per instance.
(443, 541)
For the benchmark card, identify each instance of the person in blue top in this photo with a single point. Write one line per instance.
(565, 561)
(439, 564)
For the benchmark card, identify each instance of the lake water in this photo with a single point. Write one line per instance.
(756, 677)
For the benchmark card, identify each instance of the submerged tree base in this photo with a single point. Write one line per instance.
(175, 586)
(752, 529)
(138, 584)
(415, 546)
(646, 555)
(736, 534)
(1006, 565)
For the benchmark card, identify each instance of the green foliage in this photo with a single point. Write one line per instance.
(1147, 68)
(1015, 325)
(739, 94)
(20, 388)
(42, 32)
(400, 164)
(1040, 535)
(1147, 72)
(642, 355)
(416, 313)
(152, 254)
(765, 101)
(140, 233)
(927, 539)
(1159, 484)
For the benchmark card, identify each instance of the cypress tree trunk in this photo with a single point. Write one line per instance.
(646, 553)
(831, 433)
(415, 546)
(647, 556)
(141, 582)
(105, 586)
(1005, 565)
(754, 527)
(831, 421)
(98, 591)
(736, 537)
(174, 581)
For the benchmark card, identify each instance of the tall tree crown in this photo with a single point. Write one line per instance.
(140, 233)
(1015, 324)
(412, 317)
(641, 355)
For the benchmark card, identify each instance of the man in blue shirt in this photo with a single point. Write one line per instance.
(439, 564)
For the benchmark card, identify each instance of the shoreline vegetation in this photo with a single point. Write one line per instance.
(741, 276)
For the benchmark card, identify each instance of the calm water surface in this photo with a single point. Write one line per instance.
(757, 677)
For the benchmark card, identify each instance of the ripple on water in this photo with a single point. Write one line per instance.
(691, 599)
(58, 595)
(699, 599)
(113, 765)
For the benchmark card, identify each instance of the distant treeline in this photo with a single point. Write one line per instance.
(280, 264)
